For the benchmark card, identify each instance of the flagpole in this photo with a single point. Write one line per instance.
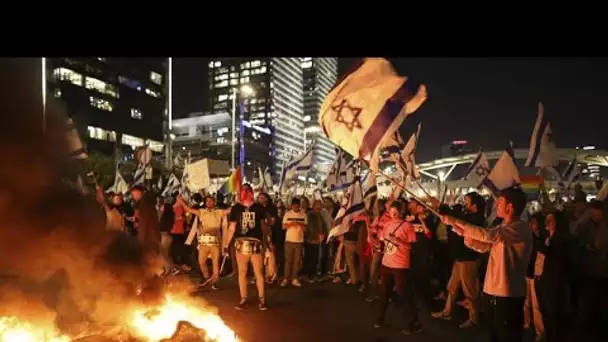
(410, 193)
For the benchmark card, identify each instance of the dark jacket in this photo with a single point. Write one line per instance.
(536, 242)
(557, 263)
(167, 218)
(458, 250)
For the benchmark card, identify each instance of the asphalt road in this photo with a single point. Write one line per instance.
(323, 312)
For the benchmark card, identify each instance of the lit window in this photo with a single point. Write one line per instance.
(245, 73)
(222, 97)
(155, 146)
(136, 113)
(102, 59)
(131, 140)
(211, 65)
(153, 93)
(234, 75)
(306, 118)
(217, 64)
(64, 74)
(306, 65)
(244, 79)
(101, 86)
(245, 65)
(57, 93)
(234, 82)
(221, 84)
(255, 64)
(259, 71)
(306, 59)
(221, 77)
(101, 134)
(222, 130)
(156, 77)
(100, 103)
(129, 83)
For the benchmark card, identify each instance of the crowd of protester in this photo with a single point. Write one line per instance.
(513, 269)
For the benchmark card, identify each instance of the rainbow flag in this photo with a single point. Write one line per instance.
(531, 185)
(235, 180)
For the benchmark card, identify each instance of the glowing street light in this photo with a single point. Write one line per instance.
(246, 91)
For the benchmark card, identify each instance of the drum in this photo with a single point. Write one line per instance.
(248, 246)
(208, 240)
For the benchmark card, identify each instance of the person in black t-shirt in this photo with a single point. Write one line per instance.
(249, 228)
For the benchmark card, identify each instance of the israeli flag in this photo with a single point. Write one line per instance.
(352, 205)
(504, 174)
(120, 186)
(370, 190)
(479, 169)
(172, 186)
(367, 105)
(542, 152)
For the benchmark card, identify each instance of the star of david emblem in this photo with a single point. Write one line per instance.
(347, 115)
(481, 171)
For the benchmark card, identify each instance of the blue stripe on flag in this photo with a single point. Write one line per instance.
(538, 141)
(389, 112)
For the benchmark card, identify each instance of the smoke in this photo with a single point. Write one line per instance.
(54, 249)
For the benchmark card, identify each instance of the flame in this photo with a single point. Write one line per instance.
(14, 330)
(159, 323)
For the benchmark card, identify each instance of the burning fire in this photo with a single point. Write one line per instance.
(159, 323)
(15, 330)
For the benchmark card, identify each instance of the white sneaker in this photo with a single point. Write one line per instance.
(296, 283)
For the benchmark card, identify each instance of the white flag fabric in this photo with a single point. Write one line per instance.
(120, 186)
(407, 160)
(368, 105)
(352, 205)
(479, 169)
(370, 190)
(542, 152)
(172, 186)
(143, 156)
(300, 164)
(75, 145)
(504, 174)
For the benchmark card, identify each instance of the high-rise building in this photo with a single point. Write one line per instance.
(111, 99)
(269, 120)
(203, 135)
(319, 75)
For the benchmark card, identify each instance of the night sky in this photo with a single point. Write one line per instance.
(487, 101)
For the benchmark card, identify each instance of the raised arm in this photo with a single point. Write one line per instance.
(472, 231)
(186, 207)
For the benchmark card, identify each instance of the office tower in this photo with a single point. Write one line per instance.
(269, 125)
(117, 103)
(319, 76)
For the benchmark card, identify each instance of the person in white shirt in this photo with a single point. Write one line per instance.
(510, 247)
(294, 222)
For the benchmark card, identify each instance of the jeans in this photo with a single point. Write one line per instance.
(165, 251)
(311, 259)
(505, 318)
(401, 280)
(293, 259)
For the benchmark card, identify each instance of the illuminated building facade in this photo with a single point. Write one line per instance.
(271, 118)
(319, 76)
(112, 99)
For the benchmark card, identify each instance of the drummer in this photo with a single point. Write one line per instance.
(211, 222)
(249, 228)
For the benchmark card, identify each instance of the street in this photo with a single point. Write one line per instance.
(322, 312)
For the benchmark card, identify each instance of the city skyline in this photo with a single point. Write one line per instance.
(487, 101)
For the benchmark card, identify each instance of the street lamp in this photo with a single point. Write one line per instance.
(245, 90)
